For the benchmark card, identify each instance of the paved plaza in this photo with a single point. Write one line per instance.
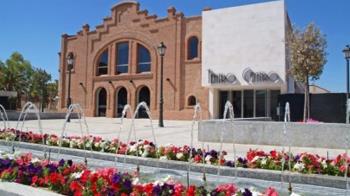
(174, 132)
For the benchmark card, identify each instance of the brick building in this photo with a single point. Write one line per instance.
(118, 63)
(237, 54)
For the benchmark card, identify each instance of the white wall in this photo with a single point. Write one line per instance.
(245, 36)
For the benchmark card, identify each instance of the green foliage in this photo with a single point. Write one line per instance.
(308, 57)
(17, 74)
(308, 53)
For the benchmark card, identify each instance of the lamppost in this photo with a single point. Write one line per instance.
(347, 58)
(161, 50)
(70, 64)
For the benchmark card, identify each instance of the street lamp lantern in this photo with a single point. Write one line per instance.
(70, 61)
(346, 52)
(161, 50)
(70, 65)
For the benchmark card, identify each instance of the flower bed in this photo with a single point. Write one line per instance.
(303, 163)
(68, 178)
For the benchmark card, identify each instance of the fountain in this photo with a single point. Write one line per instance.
(80, 113)
(286, 141)
(132, 129)
(28, 108)
(197, 116)
(125, 109)
(4, 117)
(228, 108)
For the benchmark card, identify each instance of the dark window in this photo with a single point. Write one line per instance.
(248, 102)
(192, 101)
(144, 59)
(122, 58)
(102, 65)
(260, 103)
(274, 103)
(223, 97)
(102, 102)
(144, 95)
(122, 100)
(237, 103)
(192, 48)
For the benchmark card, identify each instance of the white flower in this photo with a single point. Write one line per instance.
(324, 164)
(144, 154)
(207, 159)
(179, 155)
(133, 148)
(255, 158)
(97, 144)
(163, 158)
(76, 175)
(35, 160)
(263, 161)
(136, 181)
(299, 166)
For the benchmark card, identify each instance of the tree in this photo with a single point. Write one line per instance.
(2, 67)
(39, 87)
(308, 57)
(16, 74)
(52, 91)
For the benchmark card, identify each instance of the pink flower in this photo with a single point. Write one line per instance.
(270, 192)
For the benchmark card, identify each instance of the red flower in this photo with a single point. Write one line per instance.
(270, 192)
(34, 180)
(148, 188)
(179, 188)
(75, 186)
(197, 158)
(191, 191)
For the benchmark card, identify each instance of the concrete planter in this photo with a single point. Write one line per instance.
(269, 175)
(15, 189)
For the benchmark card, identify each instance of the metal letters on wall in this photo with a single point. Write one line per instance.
(260, 77)
(220, 78)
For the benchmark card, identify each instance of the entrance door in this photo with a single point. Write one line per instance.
(144, 95)
(122, 100)
(101, 102)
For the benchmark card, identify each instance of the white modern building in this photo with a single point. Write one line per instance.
(245, 60)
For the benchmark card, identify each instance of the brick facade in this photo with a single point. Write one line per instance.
(182, 77)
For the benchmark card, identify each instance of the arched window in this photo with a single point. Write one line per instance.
(191, 101)
(192, 48)
(143, 59)
(122, 62)
(102, 64)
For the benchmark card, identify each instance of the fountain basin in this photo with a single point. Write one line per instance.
(15, 189)
(320, 135)
(268, 175)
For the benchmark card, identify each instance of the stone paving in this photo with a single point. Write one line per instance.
(174, 132)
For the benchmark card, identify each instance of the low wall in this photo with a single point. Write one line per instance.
(322, 135)
(14, 115)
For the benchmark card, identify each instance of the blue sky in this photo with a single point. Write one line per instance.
(34, 27)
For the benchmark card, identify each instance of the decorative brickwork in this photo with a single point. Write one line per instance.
(128, 24)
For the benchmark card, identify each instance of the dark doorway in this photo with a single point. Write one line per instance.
(122, 100)
(101, 102)
(144, 95)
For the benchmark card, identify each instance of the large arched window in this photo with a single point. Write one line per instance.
(143, 59)
(192, 48)
(102, 64)
(122, 62)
